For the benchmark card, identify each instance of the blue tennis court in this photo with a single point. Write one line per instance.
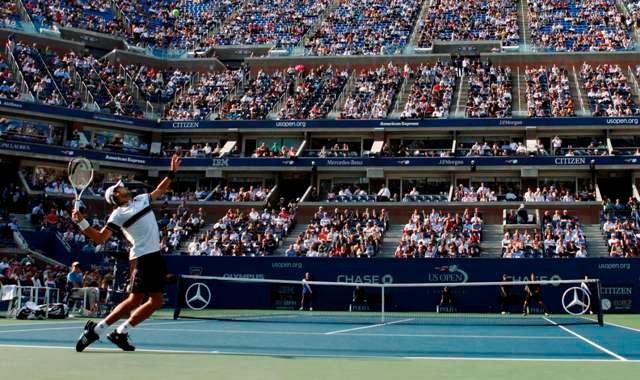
(391, 339)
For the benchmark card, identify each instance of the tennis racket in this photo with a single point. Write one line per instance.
(80, 176)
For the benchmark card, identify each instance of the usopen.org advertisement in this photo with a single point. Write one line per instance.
(619, 282)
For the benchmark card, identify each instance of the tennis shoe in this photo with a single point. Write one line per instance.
(88, 336)
(121, 340)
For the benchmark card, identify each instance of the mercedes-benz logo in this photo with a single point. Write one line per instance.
(577, 302)
(197, 296)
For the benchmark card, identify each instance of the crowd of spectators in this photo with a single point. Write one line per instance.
(41, 85)
(315, 93)
(548, 92)
(13, 198)
(560, 193)
(482, 193)
(578, 25)
(608, 90)
(368, 27)
(93, 15)
(9, 16)
(158, 85)
(413, 149)
(342, 233)
(239, 233)
(431, 92)
(260, 95)
(621, 227)
(275, 151)
(202, 97)
(240, 194)
(476, 20)
(281, 23)
(489, 90)
(561, 236)
(179, 226)
(337, 150)
(8, 87)
(441, 235)
(373, 93)
(495, 148)
(176, 24)
(24, 271)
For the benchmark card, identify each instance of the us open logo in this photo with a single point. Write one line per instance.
(197, 296)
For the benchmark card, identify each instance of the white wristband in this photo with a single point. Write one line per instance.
(83, 224)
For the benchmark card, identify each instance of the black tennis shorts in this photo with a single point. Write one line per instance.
(148, 273)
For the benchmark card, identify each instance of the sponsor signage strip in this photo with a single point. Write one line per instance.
(302, 124)
(125, 158)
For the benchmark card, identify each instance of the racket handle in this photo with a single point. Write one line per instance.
(76, 205)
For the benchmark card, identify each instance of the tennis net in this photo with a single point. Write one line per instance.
(484, 303)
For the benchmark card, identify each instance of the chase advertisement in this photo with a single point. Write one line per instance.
(619, 282)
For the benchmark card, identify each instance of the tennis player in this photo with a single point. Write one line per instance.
(505, 296)
(307, 293)
(133, 218)
(533, 292)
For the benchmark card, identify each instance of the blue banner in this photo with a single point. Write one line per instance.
(76, 114)
(389, 124)
(619, 279)
(400, 124)
(363, 162)
(52, 150)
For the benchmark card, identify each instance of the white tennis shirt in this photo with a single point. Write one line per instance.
(138, 224)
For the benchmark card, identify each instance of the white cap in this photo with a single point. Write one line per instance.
(108, 194)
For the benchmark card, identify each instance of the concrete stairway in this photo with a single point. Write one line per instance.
(391, 239)
(596, 243)
(491, 240)
(293, 235)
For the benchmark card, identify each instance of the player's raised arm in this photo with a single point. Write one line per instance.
(164, 185)
(99, 237)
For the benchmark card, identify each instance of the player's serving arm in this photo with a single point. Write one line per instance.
(133, 217)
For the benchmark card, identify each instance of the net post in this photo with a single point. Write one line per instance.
(598, 302)
(176, 310)
(382, 304)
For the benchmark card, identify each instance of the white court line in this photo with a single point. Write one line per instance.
(616, 325)
(239, 353)
(368, 327)
(622, 326)
(592, 343)
(267, 332)
(78, 326)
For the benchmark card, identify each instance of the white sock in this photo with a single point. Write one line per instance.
(124, 328)
(100, 327)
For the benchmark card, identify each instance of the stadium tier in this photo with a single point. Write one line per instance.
(379, 142)
(404, 178)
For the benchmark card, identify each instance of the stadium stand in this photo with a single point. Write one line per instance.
(475, 20)
(434, 234)
(281, 23)
(374, 91)
(370, 27)
(548, 92)
(244, 233)
(578, 25)
(489, 90)
(431, 92)
(342, 233)
(608, 91)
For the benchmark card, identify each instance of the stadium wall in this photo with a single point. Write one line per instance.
(620, 280)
